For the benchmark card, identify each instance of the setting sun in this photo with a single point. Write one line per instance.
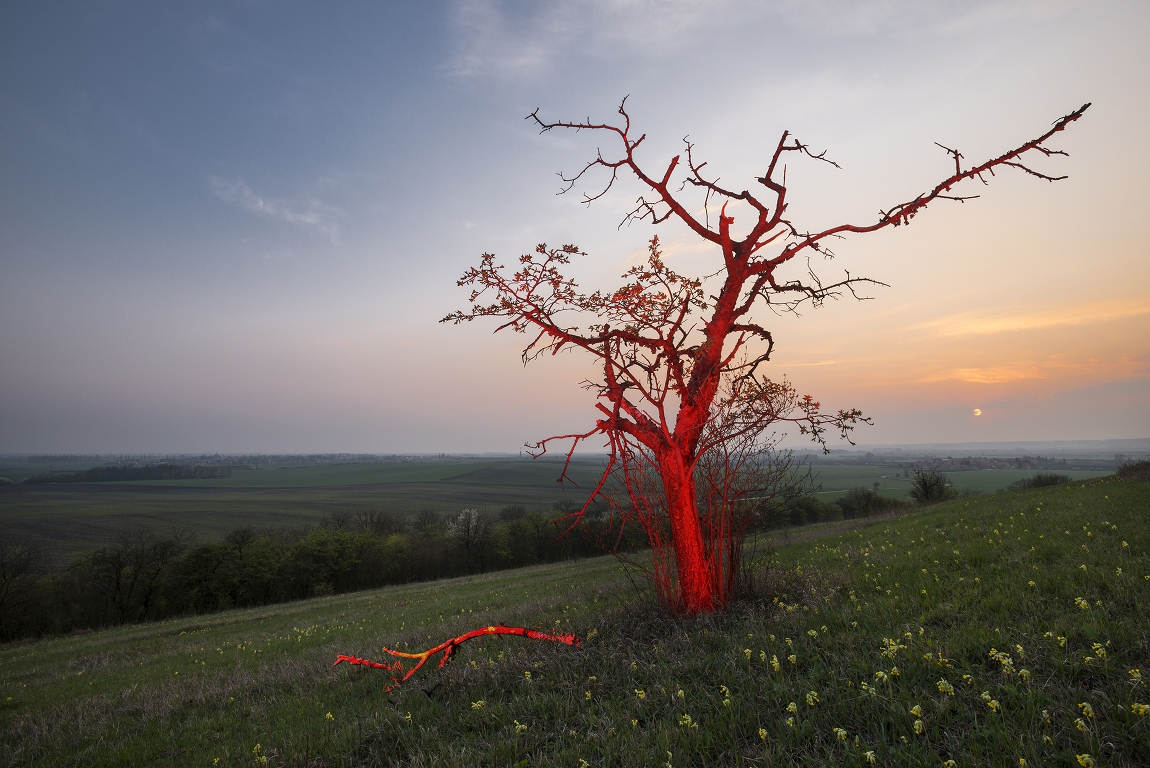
(977, 411)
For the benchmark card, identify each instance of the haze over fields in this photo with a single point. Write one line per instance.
(234, 226)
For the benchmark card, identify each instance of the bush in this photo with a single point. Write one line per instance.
(1040, 480)
(864, 502)
(931, 487)
(1135, 470)
(802, 510)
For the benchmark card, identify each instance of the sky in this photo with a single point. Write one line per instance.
(234, 226)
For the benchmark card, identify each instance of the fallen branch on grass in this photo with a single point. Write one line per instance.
(449, 647)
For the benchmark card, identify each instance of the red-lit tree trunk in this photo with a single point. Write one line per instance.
(694, 569)
(679, 361)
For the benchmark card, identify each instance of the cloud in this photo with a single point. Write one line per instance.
(311, 214)
(519, 39)
(968, 324)
(495, 38)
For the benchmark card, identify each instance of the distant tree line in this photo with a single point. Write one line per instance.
(147, 575)
(132, 472)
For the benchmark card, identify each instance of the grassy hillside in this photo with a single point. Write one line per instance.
(984, 631)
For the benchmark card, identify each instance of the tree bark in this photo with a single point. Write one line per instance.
(692, 567)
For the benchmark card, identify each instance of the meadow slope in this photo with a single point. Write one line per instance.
(983, 631)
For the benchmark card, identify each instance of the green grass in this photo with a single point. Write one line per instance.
(69, 519)
(945, 585)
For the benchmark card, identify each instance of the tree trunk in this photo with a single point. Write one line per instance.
(692, 567)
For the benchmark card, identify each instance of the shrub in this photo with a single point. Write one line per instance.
(931, 487)
(809, 509)
(1135, 470)
(1040, 480)
(864, 502)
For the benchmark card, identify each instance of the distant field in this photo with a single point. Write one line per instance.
(69, 519)
(837, 480)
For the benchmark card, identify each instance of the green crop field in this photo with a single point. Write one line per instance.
(836, 480)
(1003, 630)
(68, 519)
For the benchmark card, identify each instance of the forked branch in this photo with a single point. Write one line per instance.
(447, 648)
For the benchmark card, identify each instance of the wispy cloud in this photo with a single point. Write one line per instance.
(970, 323)
(508, 39)
(497, 39)
(310, 214)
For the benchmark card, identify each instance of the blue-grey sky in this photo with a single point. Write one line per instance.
(233, 226)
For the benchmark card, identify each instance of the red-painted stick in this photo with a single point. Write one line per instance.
(448, 647)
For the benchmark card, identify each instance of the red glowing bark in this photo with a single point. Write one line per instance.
(448, 648)
(669, 350)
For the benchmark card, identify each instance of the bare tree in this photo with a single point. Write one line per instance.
(666, 346)
(471, 530)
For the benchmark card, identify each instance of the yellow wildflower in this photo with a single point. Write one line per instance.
(478, 705)
(793, 708)
(1086, 709)
(919, 727)
(793, 659)
(640, 694)
(329, 717)
(763, 734)
(841, 734)
(812, 699)
(870, 757)
(790, 722)
(1086, 761)
(916, 710)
